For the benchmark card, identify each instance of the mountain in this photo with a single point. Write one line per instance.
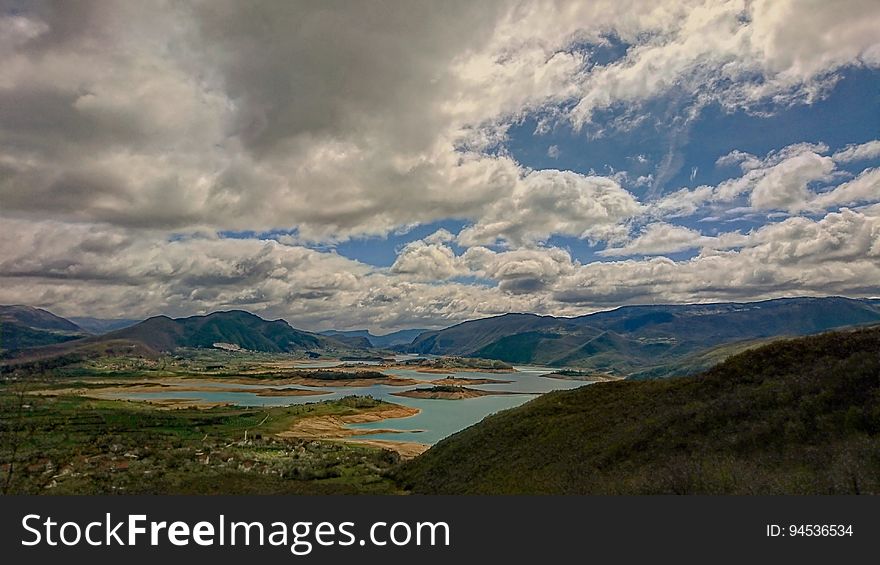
(401, 337)
(100, 326)
(36, 318)
(236, 327)
(469, 337)
(25, 326)
(799, 416)
(635, 339)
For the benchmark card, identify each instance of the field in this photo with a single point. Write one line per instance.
(75, 445)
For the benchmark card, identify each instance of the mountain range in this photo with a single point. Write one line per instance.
(633, 339)
(162, 334)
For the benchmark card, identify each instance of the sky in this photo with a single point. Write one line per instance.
(408, 164)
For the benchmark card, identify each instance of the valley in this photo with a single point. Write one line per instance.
(232, 403)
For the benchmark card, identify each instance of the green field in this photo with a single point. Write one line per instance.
(74, 445)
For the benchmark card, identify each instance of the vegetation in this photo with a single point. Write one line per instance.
(451, 363)
(330, 375)
(798, 416)
(24, 326)
(74, 445)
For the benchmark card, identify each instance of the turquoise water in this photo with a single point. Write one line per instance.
(437, 419)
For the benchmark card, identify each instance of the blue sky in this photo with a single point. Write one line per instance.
(847, 115)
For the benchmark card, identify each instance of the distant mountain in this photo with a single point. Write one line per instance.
(793, 417)
(636, 338)
(99, 326)
(401, 337)
(236, 327)
(25, 326)
(352, 340)
(36, 318)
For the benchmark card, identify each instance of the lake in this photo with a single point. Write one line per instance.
(437, 419)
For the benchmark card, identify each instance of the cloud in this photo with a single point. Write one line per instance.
(520, 271)
(88, 270)
(834, 255)
(552, 202)
(784, 186)
(863, 188)
(661, 238)
(426, 261)
(740, 54)
(850, 153)
(790, 179)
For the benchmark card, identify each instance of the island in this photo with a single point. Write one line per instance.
(445, 392)
(446, 364)
(577, 375)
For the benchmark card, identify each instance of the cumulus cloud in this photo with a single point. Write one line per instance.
(551, 202)
(793, 179)
(837, 254)
(522, 270)
(863, 188)
(859, 152)
(426, 261)
(737, 53)
(661, 238)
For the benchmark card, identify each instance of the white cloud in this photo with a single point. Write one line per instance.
(737, 53)
(426, 261)
(784, 186)
(863, 188)
(850, 153)
(554, 202)
(794, 179)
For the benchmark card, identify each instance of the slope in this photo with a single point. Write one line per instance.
(797, 416)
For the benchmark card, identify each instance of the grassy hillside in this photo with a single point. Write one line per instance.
(797, 416)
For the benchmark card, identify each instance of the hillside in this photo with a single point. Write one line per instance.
(798, 416)
(235, 327)
(637, 339)
(25, 326)
(469, 337)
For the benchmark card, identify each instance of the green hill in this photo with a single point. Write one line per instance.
(235, 327)
(798, 416)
